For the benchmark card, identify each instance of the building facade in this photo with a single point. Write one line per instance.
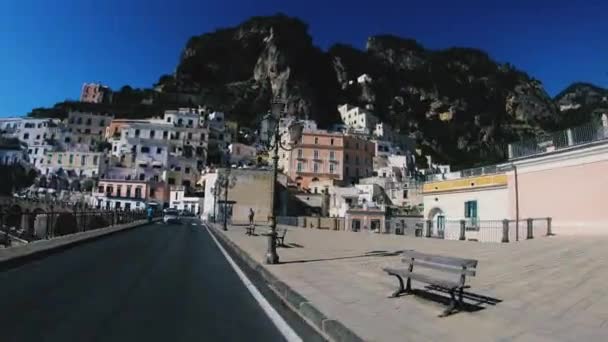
(78, 164)
(95, 93)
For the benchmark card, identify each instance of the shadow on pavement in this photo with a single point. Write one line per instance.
(366, 255)
(471, 302)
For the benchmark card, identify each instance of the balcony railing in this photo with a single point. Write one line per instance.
(584, 134)
(480, 171)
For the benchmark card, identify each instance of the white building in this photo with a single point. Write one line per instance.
(180, 201)
(358, 119)
(12, 155)
(30, 131)
(364, 78)
(184, 117)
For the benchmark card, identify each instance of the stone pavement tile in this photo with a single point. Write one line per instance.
(551, 288)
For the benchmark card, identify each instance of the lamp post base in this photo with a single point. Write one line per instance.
(272, 258)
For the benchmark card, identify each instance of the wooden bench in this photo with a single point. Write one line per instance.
(453, 271)
(281, 236)
(250, 229)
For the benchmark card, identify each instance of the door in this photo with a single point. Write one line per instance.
(440, 226)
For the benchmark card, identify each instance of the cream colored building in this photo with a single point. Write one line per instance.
(81, 164)
(250, 189)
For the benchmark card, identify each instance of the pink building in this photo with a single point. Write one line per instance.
(566, 181)
(95, 93)
(322, 155)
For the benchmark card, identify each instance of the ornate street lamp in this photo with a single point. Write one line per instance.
(226, 182)
(295, 129)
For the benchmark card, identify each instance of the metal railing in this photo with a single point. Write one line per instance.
(24, 227)
(584, 134)
(479, 171)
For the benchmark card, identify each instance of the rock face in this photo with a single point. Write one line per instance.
(439, 97)
(460, 105)
(581, 102)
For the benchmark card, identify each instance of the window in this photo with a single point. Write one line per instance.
(299, 167)
(142, 176)
(59, 157)
(179, 121)
(88, 122)
(316, 140)
(137, 133)
(346, 144)
(190, 122)
(189, 135)
(316, 154)
(95, 160)
(71, 159)
(165, 134)
(102, 123)
(404, 194)
(38, 137)
(128, 206)
(171, 181)
(168, 119)
(159, 150)
(26, 136)
(470, 209)
(187, 170)
(316, 167)
(79, 121)
(357, 145)
(119, 190)
(202, 136)
(115, 148)
(152, 192)
(331, 168)
(83, 160)
(100, 189)
(152, 133)
(332, 155)
(145, 149)
(128, 191)
(331, 141)
(299, 154)
(346, 157)
(138, 192)
(356, 160)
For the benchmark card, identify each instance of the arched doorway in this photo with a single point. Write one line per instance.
(437, 217)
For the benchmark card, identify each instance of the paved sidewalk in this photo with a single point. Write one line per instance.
(550, 288)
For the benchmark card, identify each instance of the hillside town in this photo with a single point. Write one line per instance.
(358, 175)
(360, 167)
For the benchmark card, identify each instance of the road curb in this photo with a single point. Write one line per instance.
(333, 329)
(16, 256)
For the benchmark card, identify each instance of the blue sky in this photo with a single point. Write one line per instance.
(49, 48)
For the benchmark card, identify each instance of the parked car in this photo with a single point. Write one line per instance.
(171, 216)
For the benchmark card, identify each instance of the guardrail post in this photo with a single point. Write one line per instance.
(462, 230)
(530, 234)
(549, 232)
(505, 231)
(429, 226)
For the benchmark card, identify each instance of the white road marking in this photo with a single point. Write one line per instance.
(274, 316)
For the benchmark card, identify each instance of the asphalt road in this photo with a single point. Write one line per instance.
(155, 283)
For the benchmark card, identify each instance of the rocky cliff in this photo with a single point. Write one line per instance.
(459, 104)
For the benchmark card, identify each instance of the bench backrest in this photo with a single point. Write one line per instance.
(456, 266)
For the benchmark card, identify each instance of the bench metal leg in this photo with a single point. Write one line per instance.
(408, 285)
(460, 304)
(452, 307)
(401, 290)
